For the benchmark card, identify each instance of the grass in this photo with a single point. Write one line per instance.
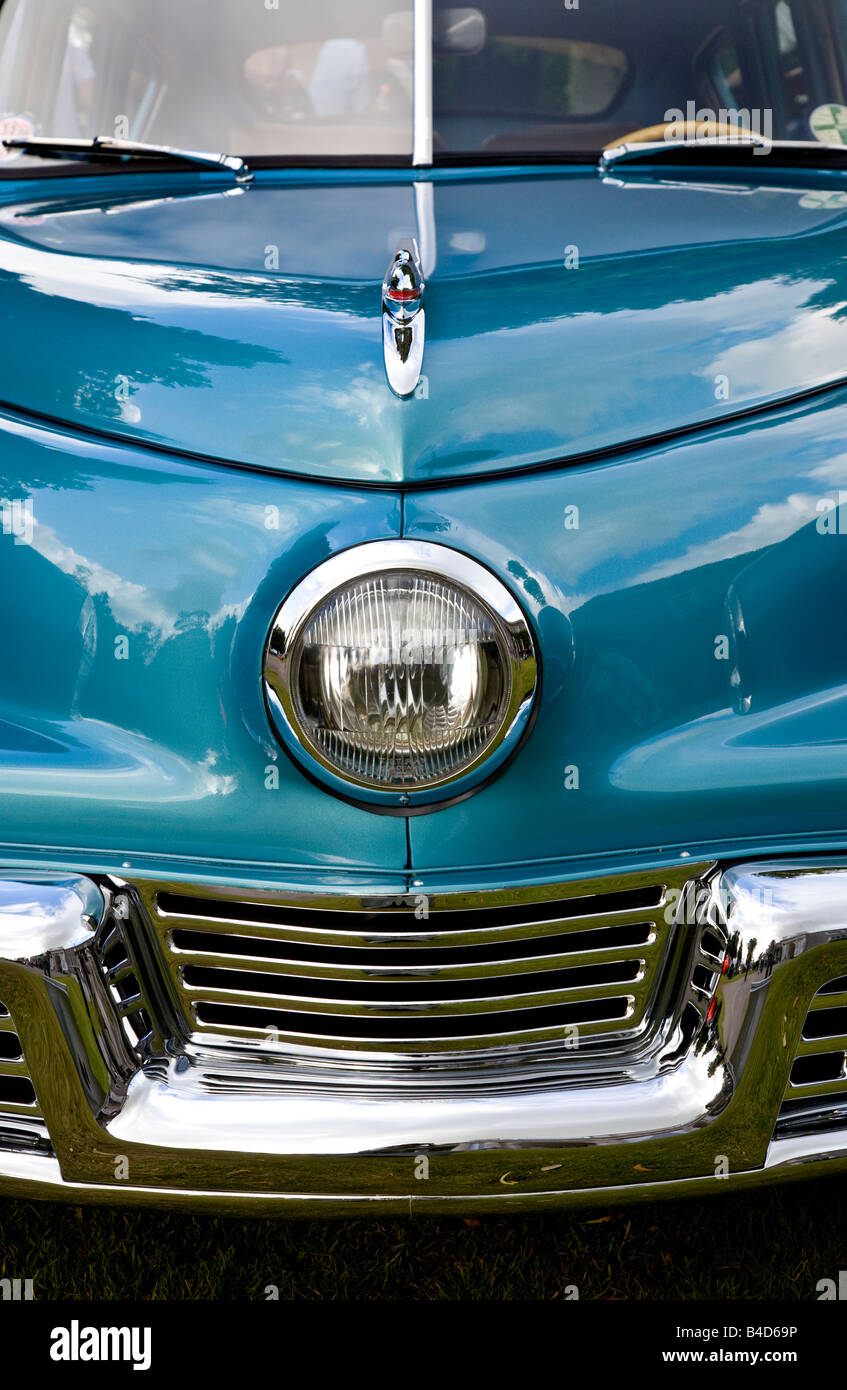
(773, 1244)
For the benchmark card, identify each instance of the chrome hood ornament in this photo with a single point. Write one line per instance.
(403, 318)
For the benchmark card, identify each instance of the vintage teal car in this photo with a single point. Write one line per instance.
(423, 706)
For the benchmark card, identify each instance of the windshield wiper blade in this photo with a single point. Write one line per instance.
(104, 147)
(715, 150)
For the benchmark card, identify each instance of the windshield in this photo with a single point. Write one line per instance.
(571, 76)
(312, 78)
(324, 80)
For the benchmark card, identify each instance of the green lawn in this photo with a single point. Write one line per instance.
(773, 1244)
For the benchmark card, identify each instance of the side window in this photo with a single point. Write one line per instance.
(795, 82)
(727, 75)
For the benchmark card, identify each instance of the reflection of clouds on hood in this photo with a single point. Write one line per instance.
(668, 345)
(772, 523)
(129, 284)
(656, 509)
(364, 397)
(834, 471)
(221, 551)
(121, 767)
(818, 341)
(748, 308)
(252, 516)
(214, 783)
(365, 402)
(134, 607)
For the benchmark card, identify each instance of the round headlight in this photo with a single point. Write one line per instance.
(400, 668)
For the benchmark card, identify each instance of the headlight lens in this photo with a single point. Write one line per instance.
(405, 678)
(401, 679)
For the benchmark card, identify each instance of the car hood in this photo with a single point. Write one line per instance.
(566, 314)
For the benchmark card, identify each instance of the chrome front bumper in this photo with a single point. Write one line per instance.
(722, 1071)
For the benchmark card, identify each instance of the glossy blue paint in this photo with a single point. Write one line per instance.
(703, 701)
(672, 731)
(243, 324)
(137, 601)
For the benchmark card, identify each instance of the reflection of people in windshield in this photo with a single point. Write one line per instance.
(340, 81)
(76, 86)
(339, 86)
(280, 88)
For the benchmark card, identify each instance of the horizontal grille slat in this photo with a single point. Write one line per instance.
(603, 941)
(385, 920)
(829, 1000)
(815, 1088)
(417, 1028)
(808, 1047)
(413, 996)
(410, 935)
(825, 1111)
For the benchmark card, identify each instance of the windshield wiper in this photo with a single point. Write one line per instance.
(715, 150)
(104, 147)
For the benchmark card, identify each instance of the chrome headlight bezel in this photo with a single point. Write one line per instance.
(361, 562)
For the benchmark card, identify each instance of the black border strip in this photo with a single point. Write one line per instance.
(623, 449)
(775, 160)
(474, 161)
(69, 167)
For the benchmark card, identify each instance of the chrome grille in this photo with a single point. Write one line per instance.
(119, 975)
(454, 972)
(17, 1093)
(816, 1096)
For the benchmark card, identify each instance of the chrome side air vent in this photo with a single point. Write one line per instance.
(17, 1093)
(710, 963)
(417, 974)
(112, 953)
(816, 1096)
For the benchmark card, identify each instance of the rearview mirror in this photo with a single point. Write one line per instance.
(461, 31)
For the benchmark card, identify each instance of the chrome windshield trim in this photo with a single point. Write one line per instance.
(422, 141)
